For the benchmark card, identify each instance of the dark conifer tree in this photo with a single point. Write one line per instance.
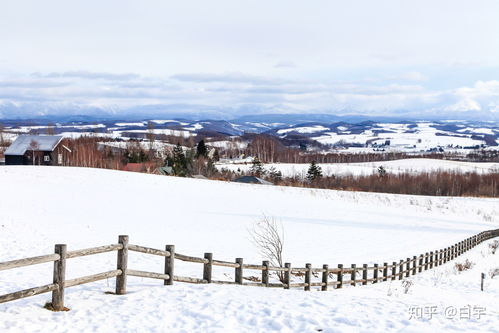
(314, 172)
(201, 149)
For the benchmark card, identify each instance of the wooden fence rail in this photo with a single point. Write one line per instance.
(344, 276)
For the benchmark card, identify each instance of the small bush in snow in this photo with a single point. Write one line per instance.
(463, 266)
(494, 246)
(390, 291)
(252, 278)
(494, 273)
(407, 284)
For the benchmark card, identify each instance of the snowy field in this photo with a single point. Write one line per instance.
(411, 165)
(42, 206)
(422, 137)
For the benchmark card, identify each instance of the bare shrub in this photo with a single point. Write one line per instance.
(494, 246)
(463, 266)
(252, 278)
(493, 273)
(268, 236)
(298, 274)
(407, 284)
(389, 291)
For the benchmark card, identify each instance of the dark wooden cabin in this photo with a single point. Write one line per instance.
(35, 150)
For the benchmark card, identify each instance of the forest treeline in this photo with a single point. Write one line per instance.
(193, 158)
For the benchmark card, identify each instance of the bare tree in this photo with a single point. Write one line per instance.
(268, 236)
(50, 129)
(150, 135)
(33, 147)
(1, 135)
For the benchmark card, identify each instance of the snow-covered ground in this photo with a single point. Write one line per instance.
(412, 165)
(42, 206)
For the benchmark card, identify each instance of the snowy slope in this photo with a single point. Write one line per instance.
(42, 206)
(412, 165)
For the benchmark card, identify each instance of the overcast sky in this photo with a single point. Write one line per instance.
(394, 57)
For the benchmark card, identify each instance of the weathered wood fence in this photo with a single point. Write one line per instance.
(329, 277)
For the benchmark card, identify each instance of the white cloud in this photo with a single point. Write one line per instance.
(228, 92)
(410, 76)
(483, 95)
(285, 64)
(464, 105)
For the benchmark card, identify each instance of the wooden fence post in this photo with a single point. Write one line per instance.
(265, 273)
(339, 276)
(287, 275)
(239, 271)
(170, 264)
(352, 274)
(401, 269)
(325, 276)
(408, 267)
(431, 259)
(385, 271)
(375, 273)
(420, 264)
(394, 270)
(364, 274)
(122, 265)
(308, 276)
(59, 278)
(414, 264)
(426, 261)
(208, 267)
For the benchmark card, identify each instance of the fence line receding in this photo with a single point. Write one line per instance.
(322, 277)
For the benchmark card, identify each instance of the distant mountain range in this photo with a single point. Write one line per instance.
(340, 131)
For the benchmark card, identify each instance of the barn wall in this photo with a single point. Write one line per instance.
(14, 160)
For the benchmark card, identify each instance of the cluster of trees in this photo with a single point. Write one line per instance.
(258, 170)
(270, 149)
(192, 161)
(440, 183)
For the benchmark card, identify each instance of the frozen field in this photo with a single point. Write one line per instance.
(42, 206)
(411, 165)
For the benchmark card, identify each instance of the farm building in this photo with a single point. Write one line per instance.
(36, 150)
(252, 180)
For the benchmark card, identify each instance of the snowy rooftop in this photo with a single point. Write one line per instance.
(23, 143)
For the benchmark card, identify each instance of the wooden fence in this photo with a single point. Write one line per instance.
(329, 277)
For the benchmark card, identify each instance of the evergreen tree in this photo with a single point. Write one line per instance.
(257, 168)
(274, 174)
(216, 157)
(314, 172)
(178, 161)
(201, 149)
(381, 171)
